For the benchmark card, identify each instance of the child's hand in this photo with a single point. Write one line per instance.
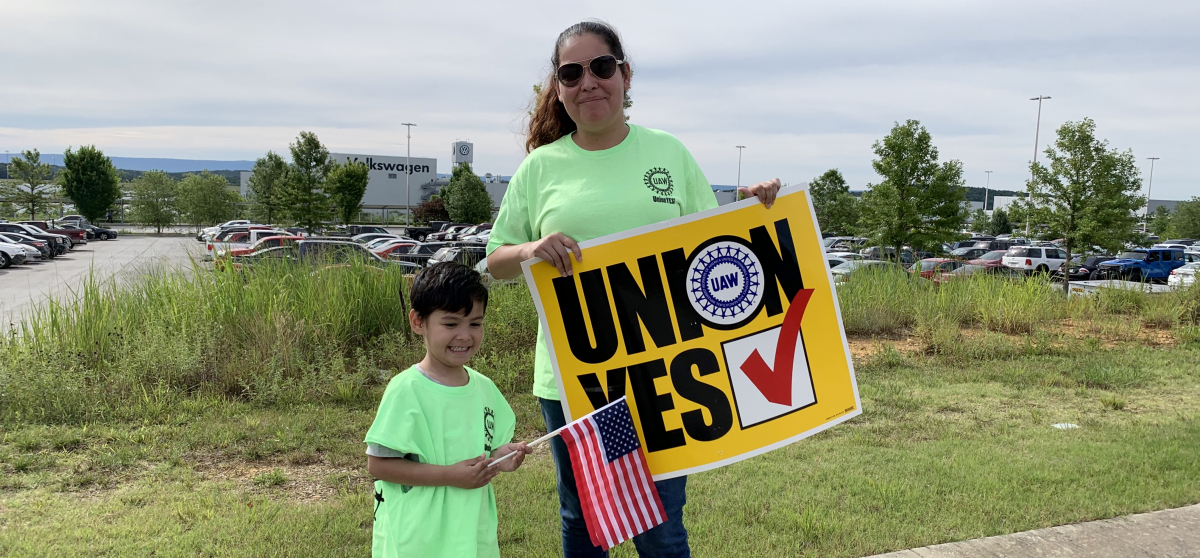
(521, 449)
(472, 473)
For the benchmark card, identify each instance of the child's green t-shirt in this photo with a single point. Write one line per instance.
(648, 178)
(440, 425)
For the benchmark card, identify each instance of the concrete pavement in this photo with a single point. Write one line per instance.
(24, 286)
(1162, 534)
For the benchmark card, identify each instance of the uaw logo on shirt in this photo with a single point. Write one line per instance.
(725, 282)
(658, 180)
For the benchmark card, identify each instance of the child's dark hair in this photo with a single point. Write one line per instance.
(447, 286)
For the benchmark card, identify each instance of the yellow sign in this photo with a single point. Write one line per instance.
(722, 327)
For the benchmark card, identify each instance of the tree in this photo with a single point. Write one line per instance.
(430, 210)
(31, 188)
(1160, 221)
(267, 181)
(836, 208)
(979, 220)
(1086, 194)
(919, 202)
(999, 224)
(154, 198)
(206, 199)
(91, 181)
(304, 192)
(1185, 221)
(467, 200)
(346, 184)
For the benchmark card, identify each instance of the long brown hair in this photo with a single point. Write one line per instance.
(549, 120)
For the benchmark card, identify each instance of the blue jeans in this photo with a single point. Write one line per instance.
(668, 540)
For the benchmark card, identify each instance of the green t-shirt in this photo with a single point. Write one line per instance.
(560, 187)
(440, 425)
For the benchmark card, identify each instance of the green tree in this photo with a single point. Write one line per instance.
(1185, 220)
(154, 196)
(836, 208)
(30, 188)
(1160, 221)
(346, 184)
(999, 223)
(979, 220)
(304, 193)
(206, 199)
(467, 200)
(430, 210)
(267, 181)
(1086, 194)
(919, 202)
(91, 181)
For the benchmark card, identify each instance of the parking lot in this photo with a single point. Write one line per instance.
(23, 286)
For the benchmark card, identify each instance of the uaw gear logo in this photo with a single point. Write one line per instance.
(725, 282)
(658, 180)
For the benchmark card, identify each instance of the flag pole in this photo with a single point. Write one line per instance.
(536, 442)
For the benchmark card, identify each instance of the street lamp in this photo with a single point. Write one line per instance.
(1036, 131)
(408, 179)
(739, 179)
(985, 190)
(1146, 220)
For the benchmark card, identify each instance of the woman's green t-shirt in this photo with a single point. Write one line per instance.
(648, 178)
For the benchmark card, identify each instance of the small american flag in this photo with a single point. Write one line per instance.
(616, 492)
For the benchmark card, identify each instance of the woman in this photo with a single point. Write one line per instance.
(589, 174)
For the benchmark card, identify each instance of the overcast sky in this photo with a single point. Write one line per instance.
(805, 86)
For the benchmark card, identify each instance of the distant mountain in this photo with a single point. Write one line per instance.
(178, 165)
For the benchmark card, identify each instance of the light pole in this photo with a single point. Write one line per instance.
(739, 179)
(1146, 219)
(1036, 131)
(985, 190)
(408, 179)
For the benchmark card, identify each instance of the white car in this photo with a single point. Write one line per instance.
(1182, 277)
(481, 238)
(1191, 256)
(1040, 259)
(12, 254)
(845, 255)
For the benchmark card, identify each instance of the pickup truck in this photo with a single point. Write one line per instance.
(420, 233)
(1151, 264)
(76, 236)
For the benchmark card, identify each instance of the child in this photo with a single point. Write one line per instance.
(438, 427)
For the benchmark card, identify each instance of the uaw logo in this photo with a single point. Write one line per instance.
(725, 283)
(658, 180)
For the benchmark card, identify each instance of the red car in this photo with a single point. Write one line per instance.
(990, 259)
(401, 246)
(929, 267)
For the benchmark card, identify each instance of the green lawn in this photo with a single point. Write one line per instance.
(949, 447)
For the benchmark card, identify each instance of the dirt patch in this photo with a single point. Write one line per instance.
(867, 347)
(301, 482)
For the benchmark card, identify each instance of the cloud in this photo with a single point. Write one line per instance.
(804, 87)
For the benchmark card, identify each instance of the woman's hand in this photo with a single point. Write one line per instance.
(520, 449)
(764, 191)
(556, 250)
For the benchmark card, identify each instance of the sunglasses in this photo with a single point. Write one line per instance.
(603, 67)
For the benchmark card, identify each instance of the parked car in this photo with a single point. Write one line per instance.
(466, 255)
(56, 241)
(929, 267)
(1191, 256)
(471, 231)
(323, 251)
(419, 254)
(843, 243)
(1151, 264)
(355, 230)
(968, 253)
(446, 232)
(1081, 270)
(968, 270)
(73, 234)
(420, 233)
(101, 232)
(842, 273)
(207, 233)
(848, 256)
(368, 237)
(1034, 259)
(42, 247)
(889, 253)
(990, 259)
(477, 238)
(385, 251)
(264, 243)
(1184, 276)
(1189, 242)
(993, 245)
(12, 254)
(970, 242)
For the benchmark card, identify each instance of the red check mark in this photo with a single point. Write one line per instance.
(776, 384)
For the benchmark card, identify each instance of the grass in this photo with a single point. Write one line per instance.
(164, 440)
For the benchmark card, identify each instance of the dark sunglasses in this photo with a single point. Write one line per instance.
(603, 67)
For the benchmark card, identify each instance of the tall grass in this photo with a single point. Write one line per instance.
(277, 333)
